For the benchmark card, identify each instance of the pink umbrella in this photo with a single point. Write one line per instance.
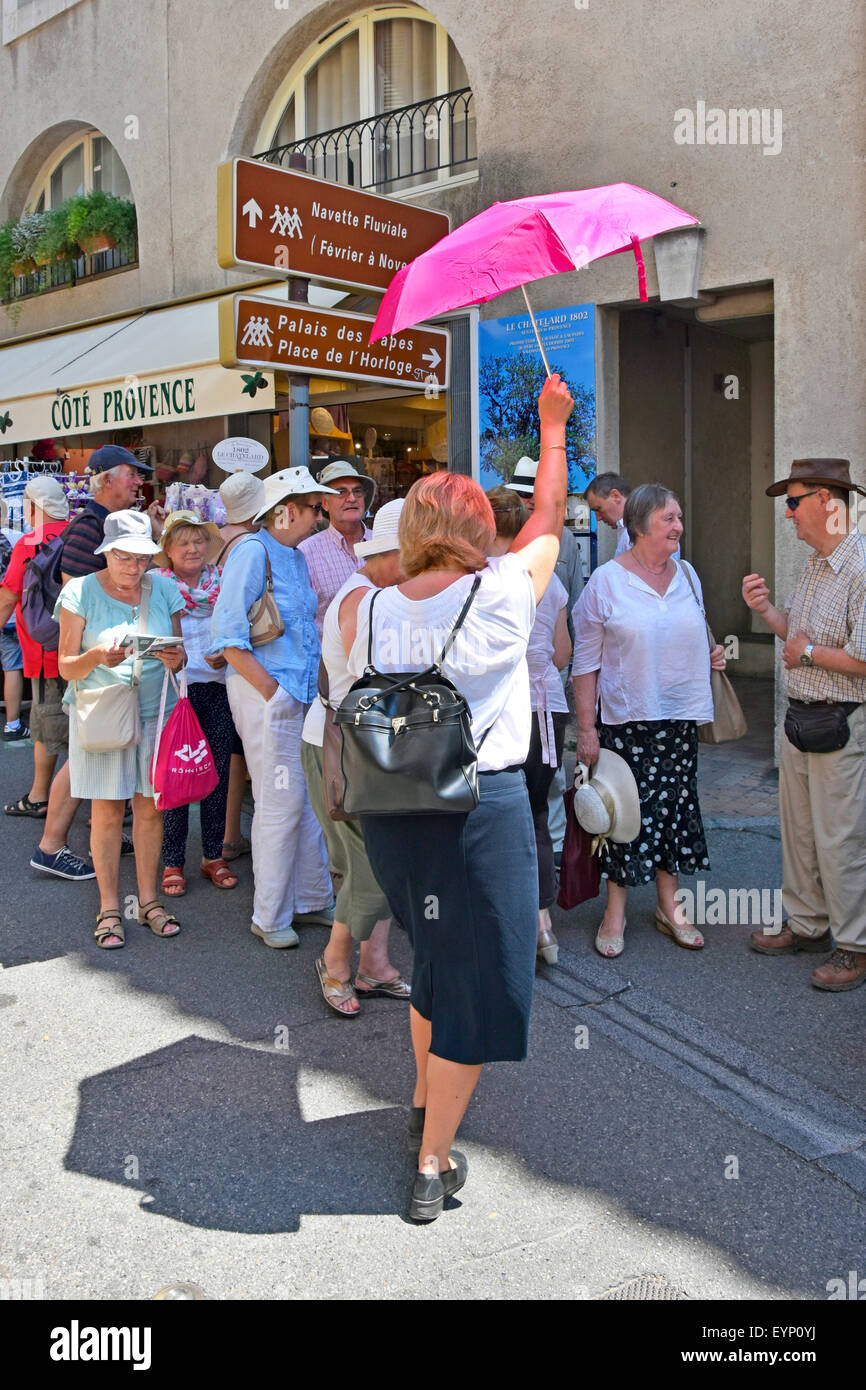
(526, 239)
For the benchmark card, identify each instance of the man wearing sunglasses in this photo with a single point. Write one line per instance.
(330, 554)
(822, 771)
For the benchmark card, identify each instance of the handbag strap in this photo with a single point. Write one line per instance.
(160, 724)
(143, 611)
(449, 642)
(685, 571)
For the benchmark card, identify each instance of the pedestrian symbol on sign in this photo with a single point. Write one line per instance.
(286, 223)
(257, 332)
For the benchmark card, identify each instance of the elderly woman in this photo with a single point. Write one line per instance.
(189, 545)
(97, 614)
(641, 650)
(269, 687)
(548, 651)
(362, 913)
(465, 886)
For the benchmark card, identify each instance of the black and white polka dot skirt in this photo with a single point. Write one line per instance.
(663, 755)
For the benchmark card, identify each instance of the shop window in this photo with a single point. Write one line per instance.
(382, 101)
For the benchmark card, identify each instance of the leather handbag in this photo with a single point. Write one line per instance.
(265, 618)
(109, 718)
(407, 743)
(729, 722)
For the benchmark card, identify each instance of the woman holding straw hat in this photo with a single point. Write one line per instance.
(270, 686)
(189, 548)
(640, 648)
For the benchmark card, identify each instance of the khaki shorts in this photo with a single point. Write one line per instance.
(49, 721)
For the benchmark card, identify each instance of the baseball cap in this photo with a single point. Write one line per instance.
(112, 456)
(47, 494)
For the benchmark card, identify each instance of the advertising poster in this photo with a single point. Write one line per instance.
(511, 374)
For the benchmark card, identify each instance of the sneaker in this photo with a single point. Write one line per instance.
(64, 864)
(126, 846)
(16, 735)
(283, 936)
(322, 917)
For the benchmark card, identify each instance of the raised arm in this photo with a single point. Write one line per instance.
(538, 541)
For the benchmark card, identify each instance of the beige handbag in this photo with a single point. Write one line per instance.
(729, 722)
(109, 718)
(265, 619)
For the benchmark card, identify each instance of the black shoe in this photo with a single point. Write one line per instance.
(431, 1189)
(416, 1126)
(16, 735)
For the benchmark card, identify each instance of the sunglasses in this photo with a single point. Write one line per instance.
(315, 507)
(792, 503)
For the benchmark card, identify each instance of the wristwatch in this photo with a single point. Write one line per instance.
(806, 656)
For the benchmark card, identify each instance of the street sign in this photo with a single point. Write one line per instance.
(273, 334)
(270, 218)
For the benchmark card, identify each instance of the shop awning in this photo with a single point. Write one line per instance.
(149, 368)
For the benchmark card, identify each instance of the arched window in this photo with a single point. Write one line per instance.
(380, 101)
(87, 161)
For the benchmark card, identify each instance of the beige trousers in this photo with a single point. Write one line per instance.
(822, 809)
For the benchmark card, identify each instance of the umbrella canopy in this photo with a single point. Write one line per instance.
(526, 239)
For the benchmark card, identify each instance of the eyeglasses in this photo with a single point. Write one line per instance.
(350, 492)
(792, 503)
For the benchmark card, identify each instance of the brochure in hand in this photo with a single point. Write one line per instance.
(142, 644)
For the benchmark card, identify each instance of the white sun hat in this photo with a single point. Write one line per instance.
(242, 495)
(386, 524)
(129, 531)
(523, 480)
(289, 482)
(607, 804)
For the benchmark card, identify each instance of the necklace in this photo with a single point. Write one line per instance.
(646, 568)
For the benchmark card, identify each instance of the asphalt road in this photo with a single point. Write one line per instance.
(189, 1110)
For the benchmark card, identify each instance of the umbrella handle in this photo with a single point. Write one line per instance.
(537, 334)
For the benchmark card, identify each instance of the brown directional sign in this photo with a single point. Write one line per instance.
(283, 336)
(298, 224)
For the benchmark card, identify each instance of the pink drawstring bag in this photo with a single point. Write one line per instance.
(183, 768)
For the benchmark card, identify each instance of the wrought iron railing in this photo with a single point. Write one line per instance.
(413, 144)
(69, 273)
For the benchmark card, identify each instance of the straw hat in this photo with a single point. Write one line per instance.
(523, 480)
(243, 494)
(385, 525)
(289, 482)
(608, 805)
(175, 519)
(129, 531)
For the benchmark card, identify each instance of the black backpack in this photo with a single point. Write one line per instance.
(40, 591)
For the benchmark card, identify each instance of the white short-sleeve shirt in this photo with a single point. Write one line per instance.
(651, 651)
(544, 680)
(487, 662)
(340, 677)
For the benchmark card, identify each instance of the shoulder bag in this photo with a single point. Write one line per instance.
(729, 722)
(109, 718)
(333, 781)
(407, 744)
(265, 618)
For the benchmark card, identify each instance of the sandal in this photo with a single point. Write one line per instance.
(173, 882)
(688, 936)
(37, 810)
(386, 989)
(219, 874)
(233, 849)
(336, 992)
(158, 928)
(104, 934)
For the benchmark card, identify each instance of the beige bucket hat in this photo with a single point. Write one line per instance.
(607, 805)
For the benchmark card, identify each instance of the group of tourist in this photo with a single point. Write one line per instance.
(276, 617)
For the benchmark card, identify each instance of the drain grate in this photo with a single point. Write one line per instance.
(643, 1287)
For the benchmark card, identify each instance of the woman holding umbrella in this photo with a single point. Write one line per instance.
(465, 886)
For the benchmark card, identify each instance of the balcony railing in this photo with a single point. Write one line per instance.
(59, 277)
(422, 143)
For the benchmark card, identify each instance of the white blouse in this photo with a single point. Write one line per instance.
(487, 662)
(340, 677)
(651, 650)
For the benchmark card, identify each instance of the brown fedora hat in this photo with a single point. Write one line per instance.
(825, 472)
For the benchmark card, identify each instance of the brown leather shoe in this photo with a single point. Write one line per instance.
(786, 942)
(844, 970)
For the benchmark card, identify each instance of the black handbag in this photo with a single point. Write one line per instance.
(818, 728)
(408, 748)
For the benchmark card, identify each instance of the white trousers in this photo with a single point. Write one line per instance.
(290, 863)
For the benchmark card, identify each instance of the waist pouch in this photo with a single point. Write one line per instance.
(818, 728)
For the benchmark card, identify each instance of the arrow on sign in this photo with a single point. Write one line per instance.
(252, 212)
(433, 358)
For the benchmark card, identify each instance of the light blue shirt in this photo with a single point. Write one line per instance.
(292, 659)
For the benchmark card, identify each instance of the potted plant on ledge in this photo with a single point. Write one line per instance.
(100, 221)
(55, 246)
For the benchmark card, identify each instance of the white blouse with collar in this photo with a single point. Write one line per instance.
(651, 650)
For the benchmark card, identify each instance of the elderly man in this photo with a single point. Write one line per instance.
(115, 475)
(822, 774)
(607, 495)
(330, 554)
